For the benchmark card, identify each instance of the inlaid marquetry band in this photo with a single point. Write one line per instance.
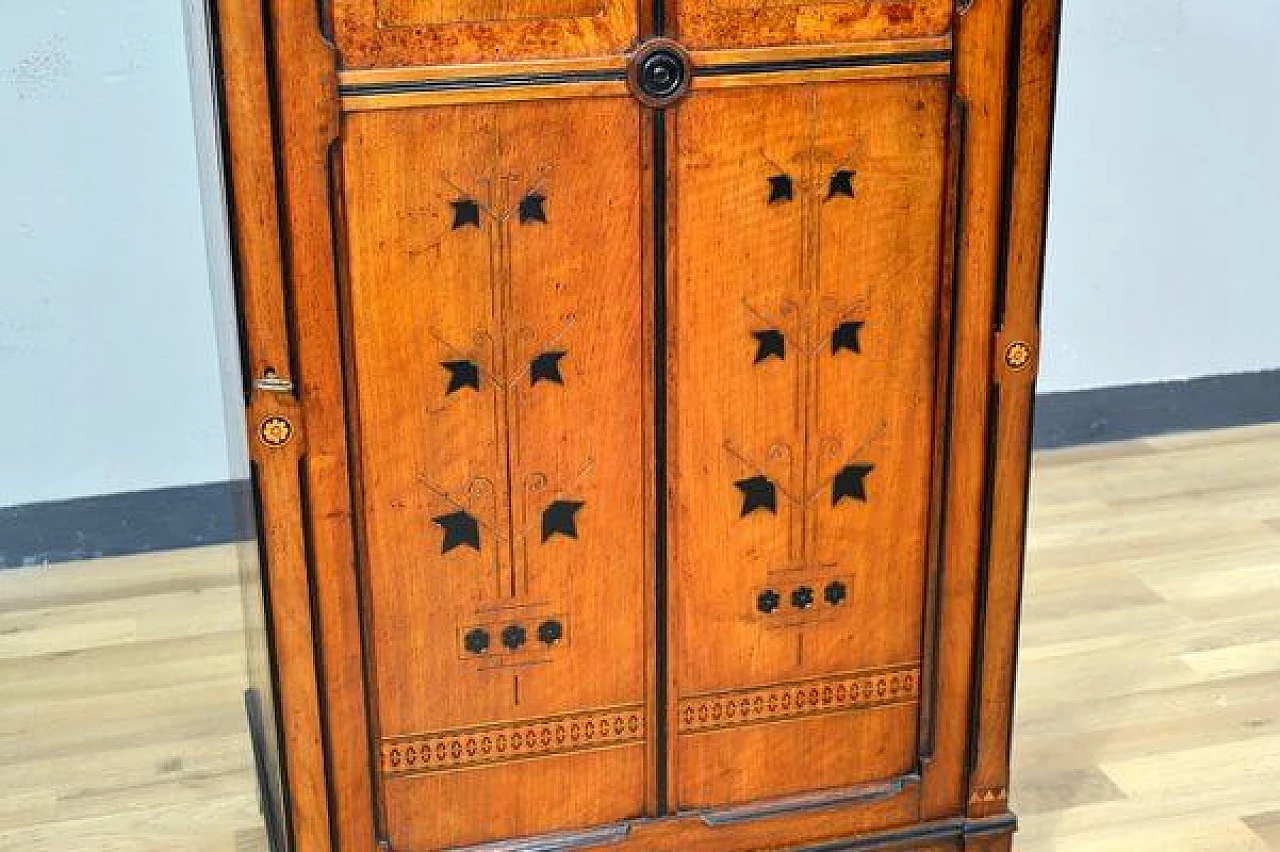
(468, 748)
(801, 699)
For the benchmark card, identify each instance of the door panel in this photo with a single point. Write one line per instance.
(808, 234)
(497, 333)
(392, 33)
(712, 24)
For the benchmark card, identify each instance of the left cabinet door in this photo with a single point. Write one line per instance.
(497, 351)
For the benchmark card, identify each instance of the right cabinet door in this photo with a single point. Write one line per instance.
(807, 310)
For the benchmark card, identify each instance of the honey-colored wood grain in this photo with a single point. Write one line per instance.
(802, 268)
(499, 294)
(982, 54)
(307, 480)
(1016, 348)
(263, 305)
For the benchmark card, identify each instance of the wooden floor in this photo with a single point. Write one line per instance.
(1149, 693)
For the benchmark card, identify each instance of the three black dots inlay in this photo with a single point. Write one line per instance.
(802, 597)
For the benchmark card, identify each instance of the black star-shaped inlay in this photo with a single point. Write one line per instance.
(546, 367)
(460, 528)
(780, 189)
(533, 208)
(462, 374)
(851, 482)
(757, 493)
(769, 344)
(846, 337)
(561, 518)
(465, 212)
(841, 184)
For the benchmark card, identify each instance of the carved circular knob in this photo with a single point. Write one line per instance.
(768, 601)
(514, 636)
(660, 72)
(476, 641)
(835, 593)
(802, 597)
(550, 632)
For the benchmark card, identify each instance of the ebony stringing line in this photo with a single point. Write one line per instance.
(619, 75)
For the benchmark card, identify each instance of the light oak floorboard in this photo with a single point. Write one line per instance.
(1149, 690)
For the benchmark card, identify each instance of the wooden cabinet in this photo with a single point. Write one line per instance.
(640, 398)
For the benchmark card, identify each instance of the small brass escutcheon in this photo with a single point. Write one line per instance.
(275, 431)
(1017, 356)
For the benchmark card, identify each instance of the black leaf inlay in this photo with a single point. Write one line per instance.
(460, 529)
(546, 367)
(851, 482)
(757, 493)
(462, 374)
(465, 212)
(533, 208)
(561, 518)
(780, 189)
(769, 344)
(846, 337)
(841, 184)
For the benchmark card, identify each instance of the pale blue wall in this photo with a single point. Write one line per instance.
(107, 356)
(1163, 259)
(1164, 250)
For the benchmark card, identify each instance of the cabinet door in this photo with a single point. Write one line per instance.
(498, 378)
(806, 323)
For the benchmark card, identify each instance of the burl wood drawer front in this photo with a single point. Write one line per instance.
(804, 350)
(499, 364)
(715, 24)
(391, 33)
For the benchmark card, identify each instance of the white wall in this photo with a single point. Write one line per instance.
(1164, 248)
(107, 357)
(1164, 254)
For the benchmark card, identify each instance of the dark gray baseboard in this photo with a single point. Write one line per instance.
(144, 521)
(124, 524)
(1141, 411)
